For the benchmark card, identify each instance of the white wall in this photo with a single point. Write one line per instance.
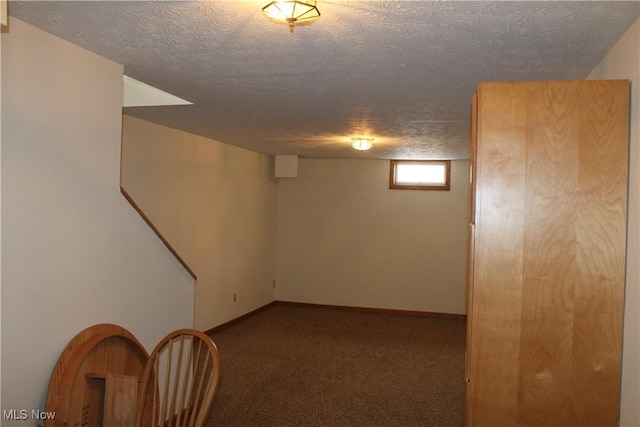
(623, 62)
(1, 213)
(216, 206)
(345, 239)
(74, 252)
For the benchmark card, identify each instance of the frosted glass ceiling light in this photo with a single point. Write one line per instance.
(361, 144)
(292, 12)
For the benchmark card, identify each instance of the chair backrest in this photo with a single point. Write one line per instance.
(179, 381)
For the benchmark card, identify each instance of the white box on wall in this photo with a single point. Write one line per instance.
(287, 166)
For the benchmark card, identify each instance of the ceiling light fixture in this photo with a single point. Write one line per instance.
(292, 12)
(361, 144)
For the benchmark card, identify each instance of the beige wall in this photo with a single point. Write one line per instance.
(344, 238)
(74, 252)
(623, 62)
(1, 218)
(215, 205)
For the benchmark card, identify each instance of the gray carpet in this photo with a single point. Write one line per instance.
(305, 366)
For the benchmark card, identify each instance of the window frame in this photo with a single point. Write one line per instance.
(393, 185)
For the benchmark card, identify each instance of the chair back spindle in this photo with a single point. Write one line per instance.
(180, 381)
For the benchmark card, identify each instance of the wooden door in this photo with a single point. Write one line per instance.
(549, 253)
(470, 252)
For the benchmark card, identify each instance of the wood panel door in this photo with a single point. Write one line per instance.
(546, 294)
(470, 251)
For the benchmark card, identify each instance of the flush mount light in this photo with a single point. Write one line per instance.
(361, 144)
(292, 12)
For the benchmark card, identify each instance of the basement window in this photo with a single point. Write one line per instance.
(420, 174)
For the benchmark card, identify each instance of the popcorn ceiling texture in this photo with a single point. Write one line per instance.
(402, 72)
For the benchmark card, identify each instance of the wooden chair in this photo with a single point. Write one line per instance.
(179, 381)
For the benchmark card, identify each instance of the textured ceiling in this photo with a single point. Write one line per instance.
(401, 72)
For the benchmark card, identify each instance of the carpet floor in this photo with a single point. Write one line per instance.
(307, 366)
